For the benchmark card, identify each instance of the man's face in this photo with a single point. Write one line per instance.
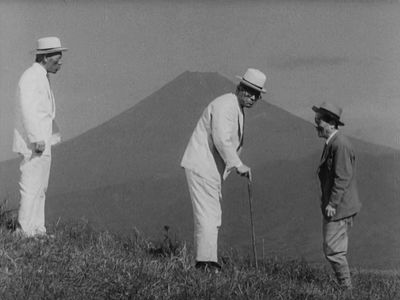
(248, 96)
(323, 128)
(54, 63)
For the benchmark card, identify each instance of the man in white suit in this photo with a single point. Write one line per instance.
(211, 154)
(34, 134)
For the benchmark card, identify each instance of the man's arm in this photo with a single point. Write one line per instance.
(343, 172)
(29, 98)
(224, 125)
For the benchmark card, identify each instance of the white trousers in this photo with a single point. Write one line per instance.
(205, 196)
(35, 172)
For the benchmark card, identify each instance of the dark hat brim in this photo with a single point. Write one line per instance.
(327, 112)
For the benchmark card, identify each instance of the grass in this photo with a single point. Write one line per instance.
(82, 263)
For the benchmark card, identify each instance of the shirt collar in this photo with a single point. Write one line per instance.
(237, 100)
(331, 136)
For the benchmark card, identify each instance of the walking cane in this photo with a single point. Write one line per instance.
(253, 236)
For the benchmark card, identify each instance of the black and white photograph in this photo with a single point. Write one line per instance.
(209, 149)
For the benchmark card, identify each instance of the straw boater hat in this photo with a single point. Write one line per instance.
(49, 45)
(331, 110)
(255, 79)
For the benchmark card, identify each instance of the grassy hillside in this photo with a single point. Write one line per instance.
(81, 263)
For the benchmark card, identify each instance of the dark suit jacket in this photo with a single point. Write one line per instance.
(337, 175)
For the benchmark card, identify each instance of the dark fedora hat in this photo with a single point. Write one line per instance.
(331, 110)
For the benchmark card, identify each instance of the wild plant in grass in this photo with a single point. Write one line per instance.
(167, 246)
(8, 217)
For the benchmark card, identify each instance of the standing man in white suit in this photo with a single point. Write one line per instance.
(211, 154)
(34, 134)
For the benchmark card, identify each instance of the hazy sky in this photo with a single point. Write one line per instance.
(347, 52)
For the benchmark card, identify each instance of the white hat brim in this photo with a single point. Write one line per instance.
(249, 84)
(52, 50)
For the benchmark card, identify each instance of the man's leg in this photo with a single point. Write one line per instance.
(40, 207)
(335, 245)
(33, 181)
(205, 196)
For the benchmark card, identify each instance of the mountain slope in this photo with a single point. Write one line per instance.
(125, 174)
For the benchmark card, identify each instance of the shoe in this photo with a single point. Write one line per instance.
(346, 287)
(345, 284)
(19, 233)
(346, 292)
(208, 266)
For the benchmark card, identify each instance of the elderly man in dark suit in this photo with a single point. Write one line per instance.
(339, 199)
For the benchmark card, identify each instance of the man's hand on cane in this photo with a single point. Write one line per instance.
(244, 170)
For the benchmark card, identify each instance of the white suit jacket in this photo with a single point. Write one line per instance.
(214, 147)
(35, 111)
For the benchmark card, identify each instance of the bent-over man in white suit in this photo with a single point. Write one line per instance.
(34, 134)
(211, 154)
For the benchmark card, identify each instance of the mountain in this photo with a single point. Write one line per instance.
(125, 174)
